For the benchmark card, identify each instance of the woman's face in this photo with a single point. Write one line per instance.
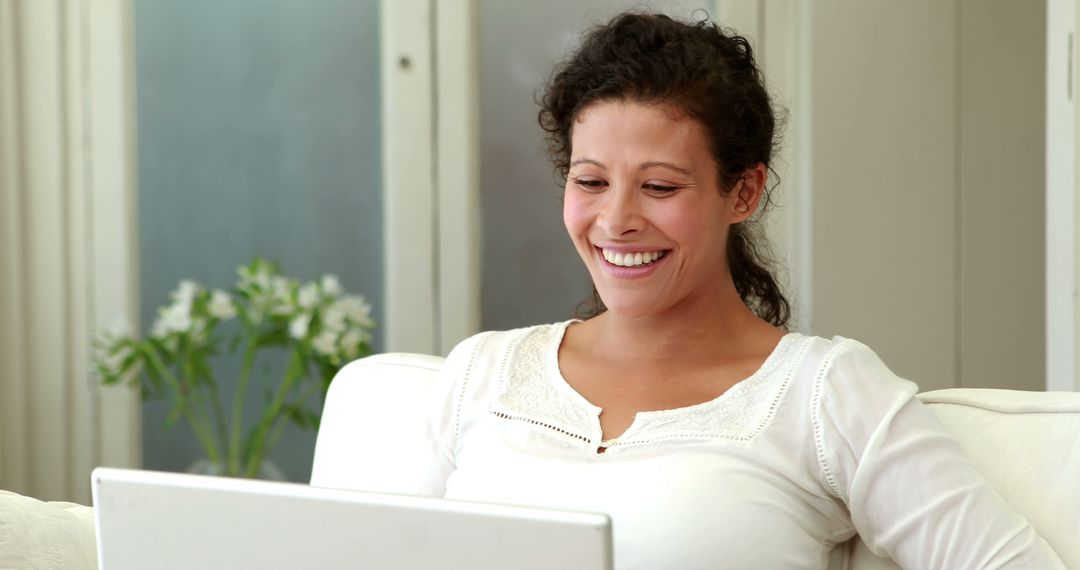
(644, 208)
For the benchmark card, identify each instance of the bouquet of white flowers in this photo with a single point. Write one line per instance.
(319, 326)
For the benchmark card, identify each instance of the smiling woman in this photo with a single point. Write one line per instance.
(683, 407)
(719, 121)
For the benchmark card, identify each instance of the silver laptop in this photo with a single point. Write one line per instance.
(147, 519)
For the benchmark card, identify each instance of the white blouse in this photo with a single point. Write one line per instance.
(823, 441)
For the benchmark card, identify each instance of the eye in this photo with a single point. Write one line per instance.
(660, 188)
(590, 184)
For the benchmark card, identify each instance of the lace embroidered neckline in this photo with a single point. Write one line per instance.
(533, 390)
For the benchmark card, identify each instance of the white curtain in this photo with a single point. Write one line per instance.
(67, 241)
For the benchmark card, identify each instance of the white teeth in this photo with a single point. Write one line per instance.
(631, 259)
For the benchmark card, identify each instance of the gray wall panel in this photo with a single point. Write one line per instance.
(258, 135)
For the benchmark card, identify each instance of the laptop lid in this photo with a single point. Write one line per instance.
(147, 519)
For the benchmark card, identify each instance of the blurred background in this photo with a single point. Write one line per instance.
(926, 202)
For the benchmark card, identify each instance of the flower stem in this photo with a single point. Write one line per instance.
(197, 424)
(293, 371)
(212, 412)
(203, 415)
(206, 439)
(219, 413)
(281, 423)
(238, 406)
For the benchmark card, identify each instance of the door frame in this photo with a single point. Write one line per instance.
(1062, 247)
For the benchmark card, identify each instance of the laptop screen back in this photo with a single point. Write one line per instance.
(165, 520)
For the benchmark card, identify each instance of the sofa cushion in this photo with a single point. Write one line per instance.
(36, 534)
(1027, 445)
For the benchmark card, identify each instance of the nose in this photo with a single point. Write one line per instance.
(620, 212)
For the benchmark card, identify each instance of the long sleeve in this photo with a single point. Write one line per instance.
(912, 494)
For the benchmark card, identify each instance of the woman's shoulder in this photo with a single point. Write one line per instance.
(843, 371)
(826, 357)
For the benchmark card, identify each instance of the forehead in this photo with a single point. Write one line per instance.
(638, 132)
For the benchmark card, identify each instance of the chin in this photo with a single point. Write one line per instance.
(629, 305)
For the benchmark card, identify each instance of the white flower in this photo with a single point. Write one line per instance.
(111, 361)
(298, 328)
(159, 330)
(308, 296)
(255, 313)
(253, 279)
(262, 277)
(112, 357)
(350, 342)
(331, 286)
(185, 293)
(175, 318)
(221, 305)
(198, 330)
(357, 310)
(334, 319)
(281, 296)
(325, 344)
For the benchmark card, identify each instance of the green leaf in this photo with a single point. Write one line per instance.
(175, 412)
(313, 418)
(302, 416)
(275, 337)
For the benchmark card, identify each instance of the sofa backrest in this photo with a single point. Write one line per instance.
(1027, 444)
(380, 395)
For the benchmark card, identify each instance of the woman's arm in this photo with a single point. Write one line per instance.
(912, 493)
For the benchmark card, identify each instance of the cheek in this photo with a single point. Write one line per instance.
(701, 227)
(575, 213)
(681, 221)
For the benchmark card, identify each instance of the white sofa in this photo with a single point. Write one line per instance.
(1027, 444)
(45, 535)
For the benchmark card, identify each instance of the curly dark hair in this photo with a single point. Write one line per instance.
(710, 75)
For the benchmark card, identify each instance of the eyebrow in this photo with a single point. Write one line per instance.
(644, 166)
(667, 165)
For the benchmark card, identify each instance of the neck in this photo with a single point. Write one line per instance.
(701, 328)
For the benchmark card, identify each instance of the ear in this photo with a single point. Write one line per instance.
(748, 192)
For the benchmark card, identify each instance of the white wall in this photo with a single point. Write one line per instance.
(1001, 228)
(928, 159)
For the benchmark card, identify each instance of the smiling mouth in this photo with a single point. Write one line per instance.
(632, 259)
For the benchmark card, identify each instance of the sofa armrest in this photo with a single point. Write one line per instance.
(36, 534)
